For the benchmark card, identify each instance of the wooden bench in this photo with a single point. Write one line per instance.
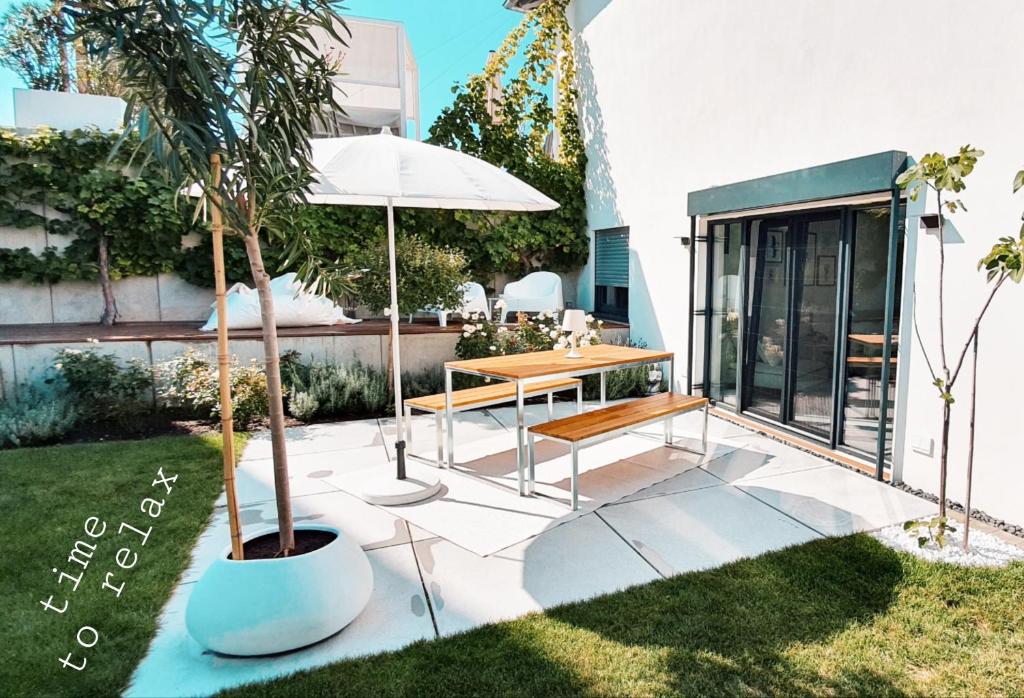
(608, 422)
(484, 396)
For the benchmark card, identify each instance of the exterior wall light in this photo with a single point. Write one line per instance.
(684, 240)
(930, 222)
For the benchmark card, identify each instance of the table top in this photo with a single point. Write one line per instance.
(874, 339)
(545, 363)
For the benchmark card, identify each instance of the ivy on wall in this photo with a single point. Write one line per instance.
(86, 195)
(512, 128)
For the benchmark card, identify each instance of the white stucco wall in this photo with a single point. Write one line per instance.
(678, 96)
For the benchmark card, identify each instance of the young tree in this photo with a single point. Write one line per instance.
(945, 176)
(33, 44)
(238, 82)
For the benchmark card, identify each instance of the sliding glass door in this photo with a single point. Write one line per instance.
(791, 311)
(796, 308)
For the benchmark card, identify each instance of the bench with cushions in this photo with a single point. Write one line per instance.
(484, 396)
(608, 422)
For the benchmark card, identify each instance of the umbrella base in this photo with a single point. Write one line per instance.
(384, 489)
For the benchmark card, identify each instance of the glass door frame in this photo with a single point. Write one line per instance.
(846, 213)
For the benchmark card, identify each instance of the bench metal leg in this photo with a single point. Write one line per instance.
(574, 485)
(520, 437)
(551, 406)
(408, 425)
(449, 436)
(439, 432)
(603, 388)
(704, 435)
(579, 398)
(668, 430)
(530, 483)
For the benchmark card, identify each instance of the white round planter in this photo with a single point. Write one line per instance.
(254, 607)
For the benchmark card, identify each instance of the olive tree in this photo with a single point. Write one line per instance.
(237, 83)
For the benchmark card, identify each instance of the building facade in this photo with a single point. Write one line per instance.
(742, 158)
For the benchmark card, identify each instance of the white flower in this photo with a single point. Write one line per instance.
(466, 334)
(590, 318)
(584, 342)
(553, 334)
(600, 322)
(549, 312)
(591, 333)
(560, 344)
(479, 326)
(493, 348)
(500, 304)
(468, 328)
(502, 329)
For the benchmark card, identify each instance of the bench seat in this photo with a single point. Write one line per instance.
(607, 422)
(483, 396)
(489, 394)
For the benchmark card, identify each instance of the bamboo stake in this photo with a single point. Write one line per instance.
(224, 361)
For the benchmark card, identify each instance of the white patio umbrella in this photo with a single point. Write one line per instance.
(385, 170)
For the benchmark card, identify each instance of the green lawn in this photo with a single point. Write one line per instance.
(833, 617)
(46, 496)
(840, 616)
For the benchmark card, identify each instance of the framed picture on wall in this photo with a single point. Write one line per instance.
(773, 246)
(826, 270)
(810, 259)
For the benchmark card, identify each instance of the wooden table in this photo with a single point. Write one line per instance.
(525, 369)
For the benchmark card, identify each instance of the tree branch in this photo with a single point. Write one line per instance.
(974, 330)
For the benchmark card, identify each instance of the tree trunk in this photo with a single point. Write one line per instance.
(944, 458)
(109, 315)
(970, 443)
(273, 368)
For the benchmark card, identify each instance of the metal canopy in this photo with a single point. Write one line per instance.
(861, 175)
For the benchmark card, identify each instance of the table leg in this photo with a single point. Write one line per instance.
(672, 374)
(579, 398)
(439, 436)
(574, 485)
(551, 406)
(533, 463)
(603, 388)
(668, 422)
(449, 437)
(520, 441)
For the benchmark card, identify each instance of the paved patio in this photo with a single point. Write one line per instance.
(478, 553)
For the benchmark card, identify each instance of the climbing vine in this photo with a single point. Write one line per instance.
(521, 131)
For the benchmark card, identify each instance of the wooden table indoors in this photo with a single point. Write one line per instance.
(524, 369)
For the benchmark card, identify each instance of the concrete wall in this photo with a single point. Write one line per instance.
(21, 364)
(66, 110)
(679, 96)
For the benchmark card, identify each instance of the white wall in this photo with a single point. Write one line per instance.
(678, 96)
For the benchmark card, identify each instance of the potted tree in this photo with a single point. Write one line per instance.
(223, 94)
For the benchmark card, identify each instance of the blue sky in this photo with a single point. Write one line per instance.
(450, 38)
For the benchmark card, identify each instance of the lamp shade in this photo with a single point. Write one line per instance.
(574, 321)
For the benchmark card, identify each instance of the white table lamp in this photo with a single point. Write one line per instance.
(574, 322)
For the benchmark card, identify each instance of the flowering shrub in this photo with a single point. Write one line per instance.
(482, 337)
(104, 389)
(188, 383)
(36, 418)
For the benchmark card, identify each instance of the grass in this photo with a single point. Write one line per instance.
(842, 616)
(46, 495)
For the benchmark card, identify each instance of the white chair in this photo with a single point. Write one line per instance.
(474, 300)
(535, 292)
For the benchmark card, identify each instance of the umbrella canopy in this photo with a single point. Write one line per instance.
(385, 170)
(369, 170)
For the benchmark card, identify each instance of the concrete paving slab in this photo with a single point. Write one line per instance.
(837, 501)
(313, 438)
(582, 559)
(702, 528)
(396, 615)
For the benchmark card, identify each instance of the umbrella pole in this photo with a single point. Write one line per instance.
(395, 342)
(224, 361)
